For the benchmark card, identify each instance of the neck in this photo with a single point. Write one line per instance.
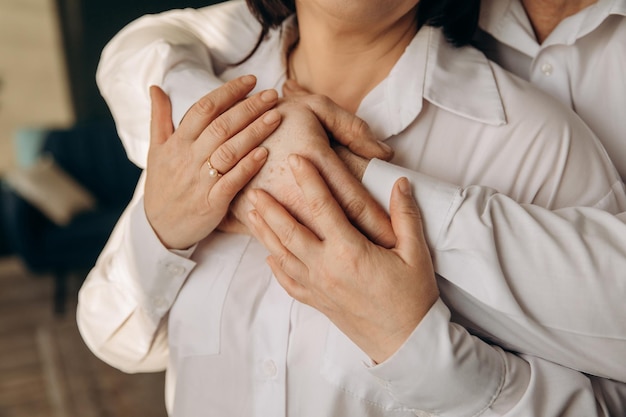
(340, 59)
(545, 15)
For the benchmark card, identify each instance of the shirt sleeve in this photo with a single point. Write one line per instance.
(546, 283)
(179, 50)
(444, 371)
(135, 281)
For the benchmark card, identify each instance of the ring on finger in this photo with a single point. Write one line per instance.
(213, 172)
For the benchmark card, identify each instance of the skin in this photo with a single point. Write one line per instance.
(178, 184)
(545, 15)
(355, 163)
(333, 47)
(184, 204)
(376, 295)
(300, 120)
(369, 274)
(393, 279)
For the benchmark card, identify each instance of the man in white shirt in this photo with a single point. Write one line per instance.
(573, 51)
(453, 194)
(576, 52)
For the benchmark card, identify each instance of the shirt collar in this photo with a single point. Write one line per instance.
(458, 80)
(461, 81)
(506, 20)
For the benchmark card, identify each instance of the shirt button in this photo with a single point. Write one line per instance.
(269, 368)
(547, 69)
(174, 269)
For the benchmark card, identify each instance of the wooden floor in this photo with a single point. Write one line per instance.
(46, 370)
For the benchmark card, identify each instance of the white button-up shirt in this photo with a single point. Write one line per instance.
(235, 344)
(582, 62)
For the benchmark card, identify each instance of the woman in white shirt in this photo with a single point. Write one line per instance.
(496, 149)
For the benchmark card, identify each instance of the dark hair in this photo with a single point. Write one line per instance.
(457, 18)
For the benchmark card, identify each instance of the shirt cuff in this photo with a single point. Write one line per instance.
(160, 272)
(436, 199)
(185, 84)
(442, 369)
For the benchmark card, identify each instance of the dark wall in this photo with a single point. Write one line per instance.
(86, 26)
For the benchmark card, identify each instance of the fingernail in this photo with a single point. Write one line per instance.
(253, 215)
(405, 186)
(252, 196)
(294, 161)
(152, 90)
(248, 79)
(271, 117)
(269, 96)
(259, 153)
(386, 147)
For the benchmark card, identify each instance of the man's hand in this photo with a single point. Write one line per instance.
(376, 296)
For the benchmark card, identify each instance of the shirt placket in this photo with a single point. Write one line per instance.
(548, 74)
(271, 338)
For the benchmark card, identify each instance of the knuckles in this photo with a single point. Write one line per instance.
(204, 107)
(225, 155)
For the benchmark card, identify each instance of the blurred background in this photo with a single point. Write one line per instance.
(64, 180)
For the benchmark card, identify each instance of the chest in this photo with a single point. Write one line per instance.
(251, 350)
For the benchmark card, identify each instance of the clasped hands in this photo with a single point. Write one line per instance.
(331, 246)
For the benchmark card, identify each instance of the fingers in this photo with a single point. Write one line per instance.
(350, 130)
(367, 215)
(328, 217)
(274, 226)
(227, 187)
(161, 117)
(236, 118)
(238, 130)
(346, 128)
(406, 221)
(229, 152)
(291, 286)
(209, 107)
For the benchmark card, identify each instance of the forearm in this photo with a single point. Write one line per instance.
(535, 277)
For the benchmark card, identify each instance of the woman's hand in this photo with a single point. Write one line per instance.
(193, 173)
(376, 296)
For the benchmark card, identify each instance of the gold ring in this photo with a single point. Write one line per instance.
(212, 171)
